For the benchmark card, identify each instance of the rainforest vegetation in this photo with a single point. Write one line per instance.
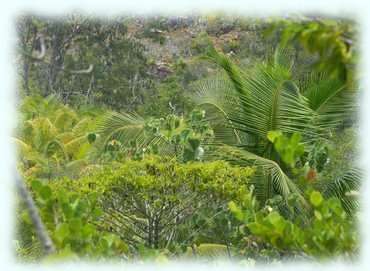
(198, 137)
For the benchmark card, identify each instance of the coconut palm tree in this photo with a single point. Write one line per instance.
(244, 105)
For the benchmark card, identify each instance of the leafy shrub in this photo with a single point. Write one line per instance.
(328, 232)
(201, 43)
(155, 202)
(70, 217)
(331, 40)
(147, 200)
(289, 149)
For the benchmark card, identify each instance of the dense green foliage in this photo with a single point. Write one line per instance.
(328, 234)
(192, 137)
(157, 204)
(331, 40)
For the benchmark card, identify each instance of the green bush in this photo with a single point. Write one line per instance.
(150, 200)
(155, 203)
(71, 218)
(201, 43)
(329, 231)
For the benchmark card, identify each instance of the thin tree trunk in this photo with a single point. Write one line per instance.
(41, 232)
(27, 62)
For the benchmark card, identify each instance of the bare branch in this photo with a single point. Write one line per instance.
(86, 71)
(41, 232)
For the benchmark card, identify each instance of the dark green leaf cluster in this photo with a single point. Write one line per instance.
(71, 219)
(329, 232)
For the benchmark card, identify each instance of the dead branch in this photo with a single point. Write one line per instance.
(41, 232)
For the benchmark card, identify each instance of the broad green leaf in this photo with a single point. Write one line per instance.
(237, 212)
(316, 198)
(45, 192)
(61, 232)
(273, 135)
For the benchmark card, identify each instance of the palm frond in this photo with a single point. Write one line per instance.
(64, 118)
(332, 102)
(211, 251)
(41, 131)
(22, 146)
(123, 127)
(273, 104)
(345, 186)
(74, 146)
(233, 71)
(65, 137)
(259, 100)
(30, 251)
(275, 178)
(81, 126)
(216, 97)
(283, 57)
(55, 147)
(128, 129)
